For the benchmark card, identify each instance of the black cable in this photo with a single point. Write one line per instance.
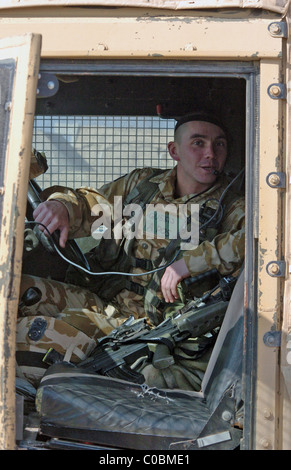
(92, 273)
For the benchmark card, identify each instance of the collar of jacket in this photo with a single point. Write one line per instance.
(167, 183)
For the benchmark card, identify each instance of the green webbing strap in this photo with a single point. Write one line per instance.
(142, 194)
(151, 300)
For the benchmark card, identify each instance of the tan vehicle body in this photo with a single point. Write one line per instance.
(250, 32)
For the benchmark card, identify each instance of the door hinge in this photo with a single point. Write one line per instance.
(47, 85)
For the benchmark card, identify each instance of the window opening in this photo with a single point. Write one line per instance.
(93, 150)
(103, 122)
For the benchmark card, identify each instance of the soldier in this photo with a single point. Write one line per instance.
(200, 149)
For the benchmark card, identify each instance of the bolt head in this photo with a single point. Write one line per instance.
(274, 180)
(226, 415)
(275, 90)
(275, 28)
(274, 268)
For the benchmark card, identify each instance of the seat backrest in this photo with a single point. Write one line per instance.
(225, 365)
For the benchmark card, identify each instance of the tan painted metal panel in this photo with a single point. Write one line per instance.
(286, 327)
(26, 51)
(269, 249)
(141, 37)
(273, 5)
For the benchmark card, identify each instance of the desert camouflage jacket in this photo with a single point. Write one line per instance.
(224, 252)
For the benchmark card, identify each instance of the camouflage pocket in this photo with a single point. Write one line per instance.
(38, 335)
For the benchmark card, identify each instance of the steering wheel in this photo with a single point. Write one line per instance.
(72, 250)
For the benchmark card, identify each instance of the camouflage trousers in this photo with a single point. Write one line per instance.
(59, 300)
(69, 320)
(66, 319)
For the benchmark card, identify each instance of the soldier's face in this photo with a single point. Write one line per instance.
(200, 149)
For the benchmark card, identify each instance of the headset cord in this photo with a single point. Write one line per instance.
(92, 273)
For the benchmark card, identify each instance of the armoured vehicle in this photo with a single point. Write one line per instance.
(96, 85)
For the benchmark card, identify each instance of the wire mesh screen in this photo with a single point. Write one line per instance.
(93, 150)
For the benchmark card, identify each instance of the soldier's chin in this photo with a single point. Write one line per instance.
(208, 177)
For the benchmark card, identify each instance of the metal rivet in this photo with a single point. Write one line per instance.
(268, 414)
(50, 85)
(102, 47)
(190, 47)
(265, 443)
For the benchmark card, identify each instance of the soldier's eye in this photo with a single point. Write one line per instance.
(198, 142)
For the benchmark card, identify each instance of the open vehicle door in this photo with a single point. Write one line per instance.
(19, 64)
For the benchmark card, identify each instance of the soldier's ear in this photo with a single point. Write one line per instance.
(173, 151)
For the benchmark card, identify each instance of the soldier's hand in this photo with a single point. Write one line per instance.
(172, 276)
(54, 215)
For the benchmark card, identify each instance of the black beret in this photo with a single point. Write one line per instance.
(201, 116)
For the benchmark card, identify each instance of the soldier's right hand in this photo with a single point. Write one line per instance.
(54, 215)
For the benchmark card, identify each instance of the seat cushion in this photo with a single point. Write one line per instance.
(75, 404)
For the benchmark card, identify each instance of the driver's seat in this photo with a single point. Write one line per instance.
(77, 405)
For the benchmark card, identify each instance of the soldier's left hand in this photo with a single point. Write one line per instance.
(171, 278)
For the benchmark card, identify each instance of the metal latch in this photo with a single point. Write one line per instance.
(47, 85)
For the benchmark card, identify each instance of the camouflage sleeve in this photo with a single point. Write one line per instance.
(84, 205)
(226, 251)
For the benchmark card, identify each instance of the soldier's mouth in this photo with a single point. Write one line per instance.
(209, 169)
